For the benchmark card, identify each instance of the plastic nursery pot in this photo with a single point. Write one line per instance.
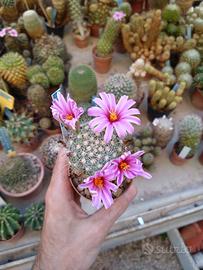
(102, 64)
(16, 236)
(175, 159)
(81, 42)
(58, 31)
(95, 30)
(27, 148)
(152, 114)
(201, 160)
(197, 99)
(33, 188)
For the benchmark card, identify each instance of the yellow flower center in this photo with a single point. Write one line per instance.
(69, 116)
(124, 166)
(99, 182)
(113, 116)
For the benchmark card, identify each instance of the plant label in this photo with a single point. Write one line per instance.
(184, 152)
(6, 101)
(5, 141)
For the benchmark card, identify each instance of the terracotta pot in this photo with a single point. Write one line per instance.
(201, 158)
(190, 231)
(175, 159)
(81, 42)
(95, 30)
(197, 99)
(195, 244)
(31, 190)
(102, 64)
(27, 148)
(17, 236)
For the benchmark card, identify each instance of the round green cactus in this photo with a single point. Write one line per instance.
(34, 216)
(82, 83)
(53, 61)
(183, 68)
(55, 75)
(9, 221)
(45, 123)
(32, 70)
(191, 57)
(41, 79)
(120, 85)
(171, 13)
(148, 159)
(190, 133)
(187, 78)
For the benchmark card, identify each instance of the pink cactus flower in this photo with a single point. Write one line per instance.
(129, 166)
(100, 186)
(109, 115)
(66, 111)
(118, 15)
(8, 31)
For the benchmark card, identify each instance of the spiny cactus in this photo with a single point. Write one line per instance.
(187, 78)
(32, 70)
(45, 123)
(41, 79)
(190, 133)
(105, 44)
(48, 45)
(21, 128)
(13, 69)
(33, 24)
(120, 85)
(34, 216)
(82, 83)
(61, 8)
(8, 3)
(192, 57)
(75, 10)
(11, 44)
(23, 41)
(55, 75)
(162, 98)
(53, 61)
(9, 221)
(171, 13)
(182, 68)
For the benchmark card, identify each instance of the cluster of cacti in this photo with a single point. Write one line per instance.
(194, 18)
(55, 75)
(82, 83)
(190, 133)
(192, 57)
(34, 216)
(49, 45)
(120, 85)
(145, 141)
(105, 44)
(99, 11)
(10, 221)
(21, 128)
(163, 129)
(33, 24)
(162, 97)
(13, 69)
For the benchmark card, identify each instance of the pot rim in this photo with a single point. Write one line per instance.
(109, 56)
(19, 234)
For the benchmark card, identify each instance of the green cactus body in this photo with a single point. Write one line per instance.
(9, 221)
(182, 68)
(75, 10)
(187, 78)
(105, 44)
(126, 8)
(8, 3)
(11, 43)
(33, 24)
(171, 13)
(41, 79)
(120, 85)
(192, 57)
(21, 128)
(34, 216)
(190, 133)
(82, 83)
(53, 61)
(32, 70)
(23, 41)
(48, 45)
(148, 159)
(98, 13)
(55, 75)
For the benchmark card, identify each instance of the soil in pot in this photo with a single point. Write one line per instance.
(197, 99)
(27, 148)
(81, 42)
(102, 64)
(175, 159)
(21, 175)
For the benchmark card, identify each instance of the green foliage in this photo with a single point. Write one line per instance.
(9, 221)
(190, 133)
(41, 79)
(21, 128)
(82, 83)
(53, 61)
(171, 13)
(55, 75)
(34, 216)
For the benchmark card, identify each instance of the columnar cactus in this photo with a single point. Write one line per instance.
(9, 221)
(34, 216)
(13, 69)
(33, 24)
(120, 85)
(190, 133)
(82, 83)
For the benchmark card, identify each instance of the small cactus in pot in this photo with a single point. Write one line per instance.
(197, 95)
(34, 216)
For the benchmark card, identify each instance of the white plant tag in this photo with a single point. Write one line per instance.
(184, 152)
(140, 220)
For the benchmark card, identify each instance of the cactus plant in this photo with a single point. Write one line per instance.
(33, 24)
(31, 71)
(190, 133)
(75, 10)
(187, 78)
(171, 13)
(8, 3)
(13, 69)
(192, 57)
(120, 85)
(45, 123)
(82, 83)
(55, 75)
(53, 61)
(41, 79)
(21, 128)
(48, 45)
(61, 9)
(34, 216)
(163, 129)
(183, 68)
(10, 221)
(23, 41)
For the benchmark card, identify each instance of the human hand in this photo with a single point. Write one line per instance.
(71, 239)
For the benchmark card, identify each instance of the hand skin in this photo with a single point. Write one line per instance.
(71, 239)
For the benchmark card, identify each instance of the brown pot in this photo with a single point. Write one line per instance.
(81, 42)
(201, 158)
(17, 236)
(197, 99)
(95, 30)
(190, 231)
(175, 159)
(31, 190)
(102, 64)
(27, 148)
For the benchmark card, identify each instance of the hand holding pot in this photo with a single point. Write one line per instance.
(70, 238)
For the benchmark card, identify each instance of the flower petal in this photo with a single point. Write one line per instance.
(108, 133)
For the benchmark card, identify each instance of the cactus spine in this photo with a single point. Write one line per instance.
(55, 75)
(192, 57)
(34, 216)
(33, 24)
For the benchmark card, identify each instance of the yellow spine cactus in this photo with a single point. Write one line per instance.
(61, 8)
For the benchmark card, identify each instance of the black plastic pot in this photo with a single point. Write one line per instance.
(174, 59)
(152, 114)
(58, 31)
(196, 3)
